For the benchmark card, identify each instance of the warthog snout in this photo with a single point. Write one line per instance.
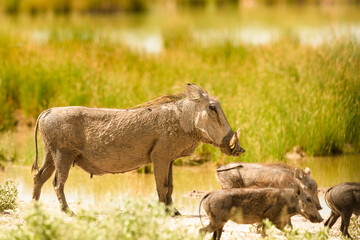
(320, 219)
(316, 219)
(232, 146)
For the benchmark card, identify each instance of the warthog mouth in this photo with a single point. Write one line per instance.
(316, 219)
(313, 218)
(230, 144)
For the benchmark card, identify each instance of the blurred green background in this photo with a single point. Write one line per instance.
(287, 72)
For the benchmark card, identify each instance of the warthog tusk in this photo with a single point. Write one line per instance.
(238, 133)
(234, 138)
(232, 141)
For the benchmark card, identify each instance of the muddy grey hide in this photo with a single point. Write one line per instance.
(250, 205)
(102, 141)
(343, 200)
(244, 175)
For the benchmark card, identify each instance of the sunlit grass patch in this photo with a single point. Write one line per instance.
(135, 219)
(281, 94)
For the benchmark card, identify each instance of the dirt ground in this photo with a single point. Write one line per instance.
(191, 221)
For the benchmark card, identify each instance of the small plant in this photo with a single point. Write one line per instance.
(8, 196)
(354, 227)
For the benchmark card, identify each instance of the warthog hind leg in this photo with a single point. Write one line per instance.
(216, 228)
(217, 234)
(63, 162)
(345, 221)
(44, 173)
(332, 219)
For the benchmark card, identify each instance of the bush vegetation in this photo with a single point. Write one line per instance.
(8, 196)
(136, 219)
(36, 7)
(280, 94)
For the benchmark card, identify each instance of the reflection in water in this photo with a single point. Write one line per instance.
(248, 35)
(327, 171)
(152, 42)
(252, 35)
(330, 171)
(81, 188)
(317, 36)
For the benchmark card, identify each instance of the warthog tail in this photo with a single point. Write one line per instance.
(35, 166)
(326, 196)
(206, 195)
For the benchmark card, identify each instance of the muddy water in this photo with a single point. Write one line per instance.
(80, 188)
(327, 171)
(330, 171)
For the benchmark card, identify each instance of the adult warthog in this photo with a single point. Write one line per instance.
(113, 141)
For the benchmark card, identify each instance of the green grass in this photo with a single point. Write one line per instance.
(136, 219)
(281, 94)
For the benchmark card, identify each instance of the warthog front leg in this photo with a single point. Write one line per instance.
(162, 179)
(170, 185)
(170, 189)
(162, 171)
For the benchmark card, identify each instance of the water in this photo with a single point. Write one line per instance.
(79, 188)
(330, 171)
(310, 25)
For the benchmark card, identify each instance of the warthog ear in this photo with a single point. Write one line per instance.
(298, 173)
(297, 189)
(307, 170)
(195, 93)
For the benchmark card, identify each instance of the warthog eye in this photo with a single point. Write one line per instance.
(308, 199)
(212, 107)
(214, 113)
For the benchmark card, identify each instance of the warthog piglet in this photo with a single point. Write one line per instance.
(343, 200)
(244, 175)
(249, 206)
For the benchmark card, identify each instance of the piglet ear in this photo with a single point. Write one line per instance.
(195, 93)
(297, 189)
